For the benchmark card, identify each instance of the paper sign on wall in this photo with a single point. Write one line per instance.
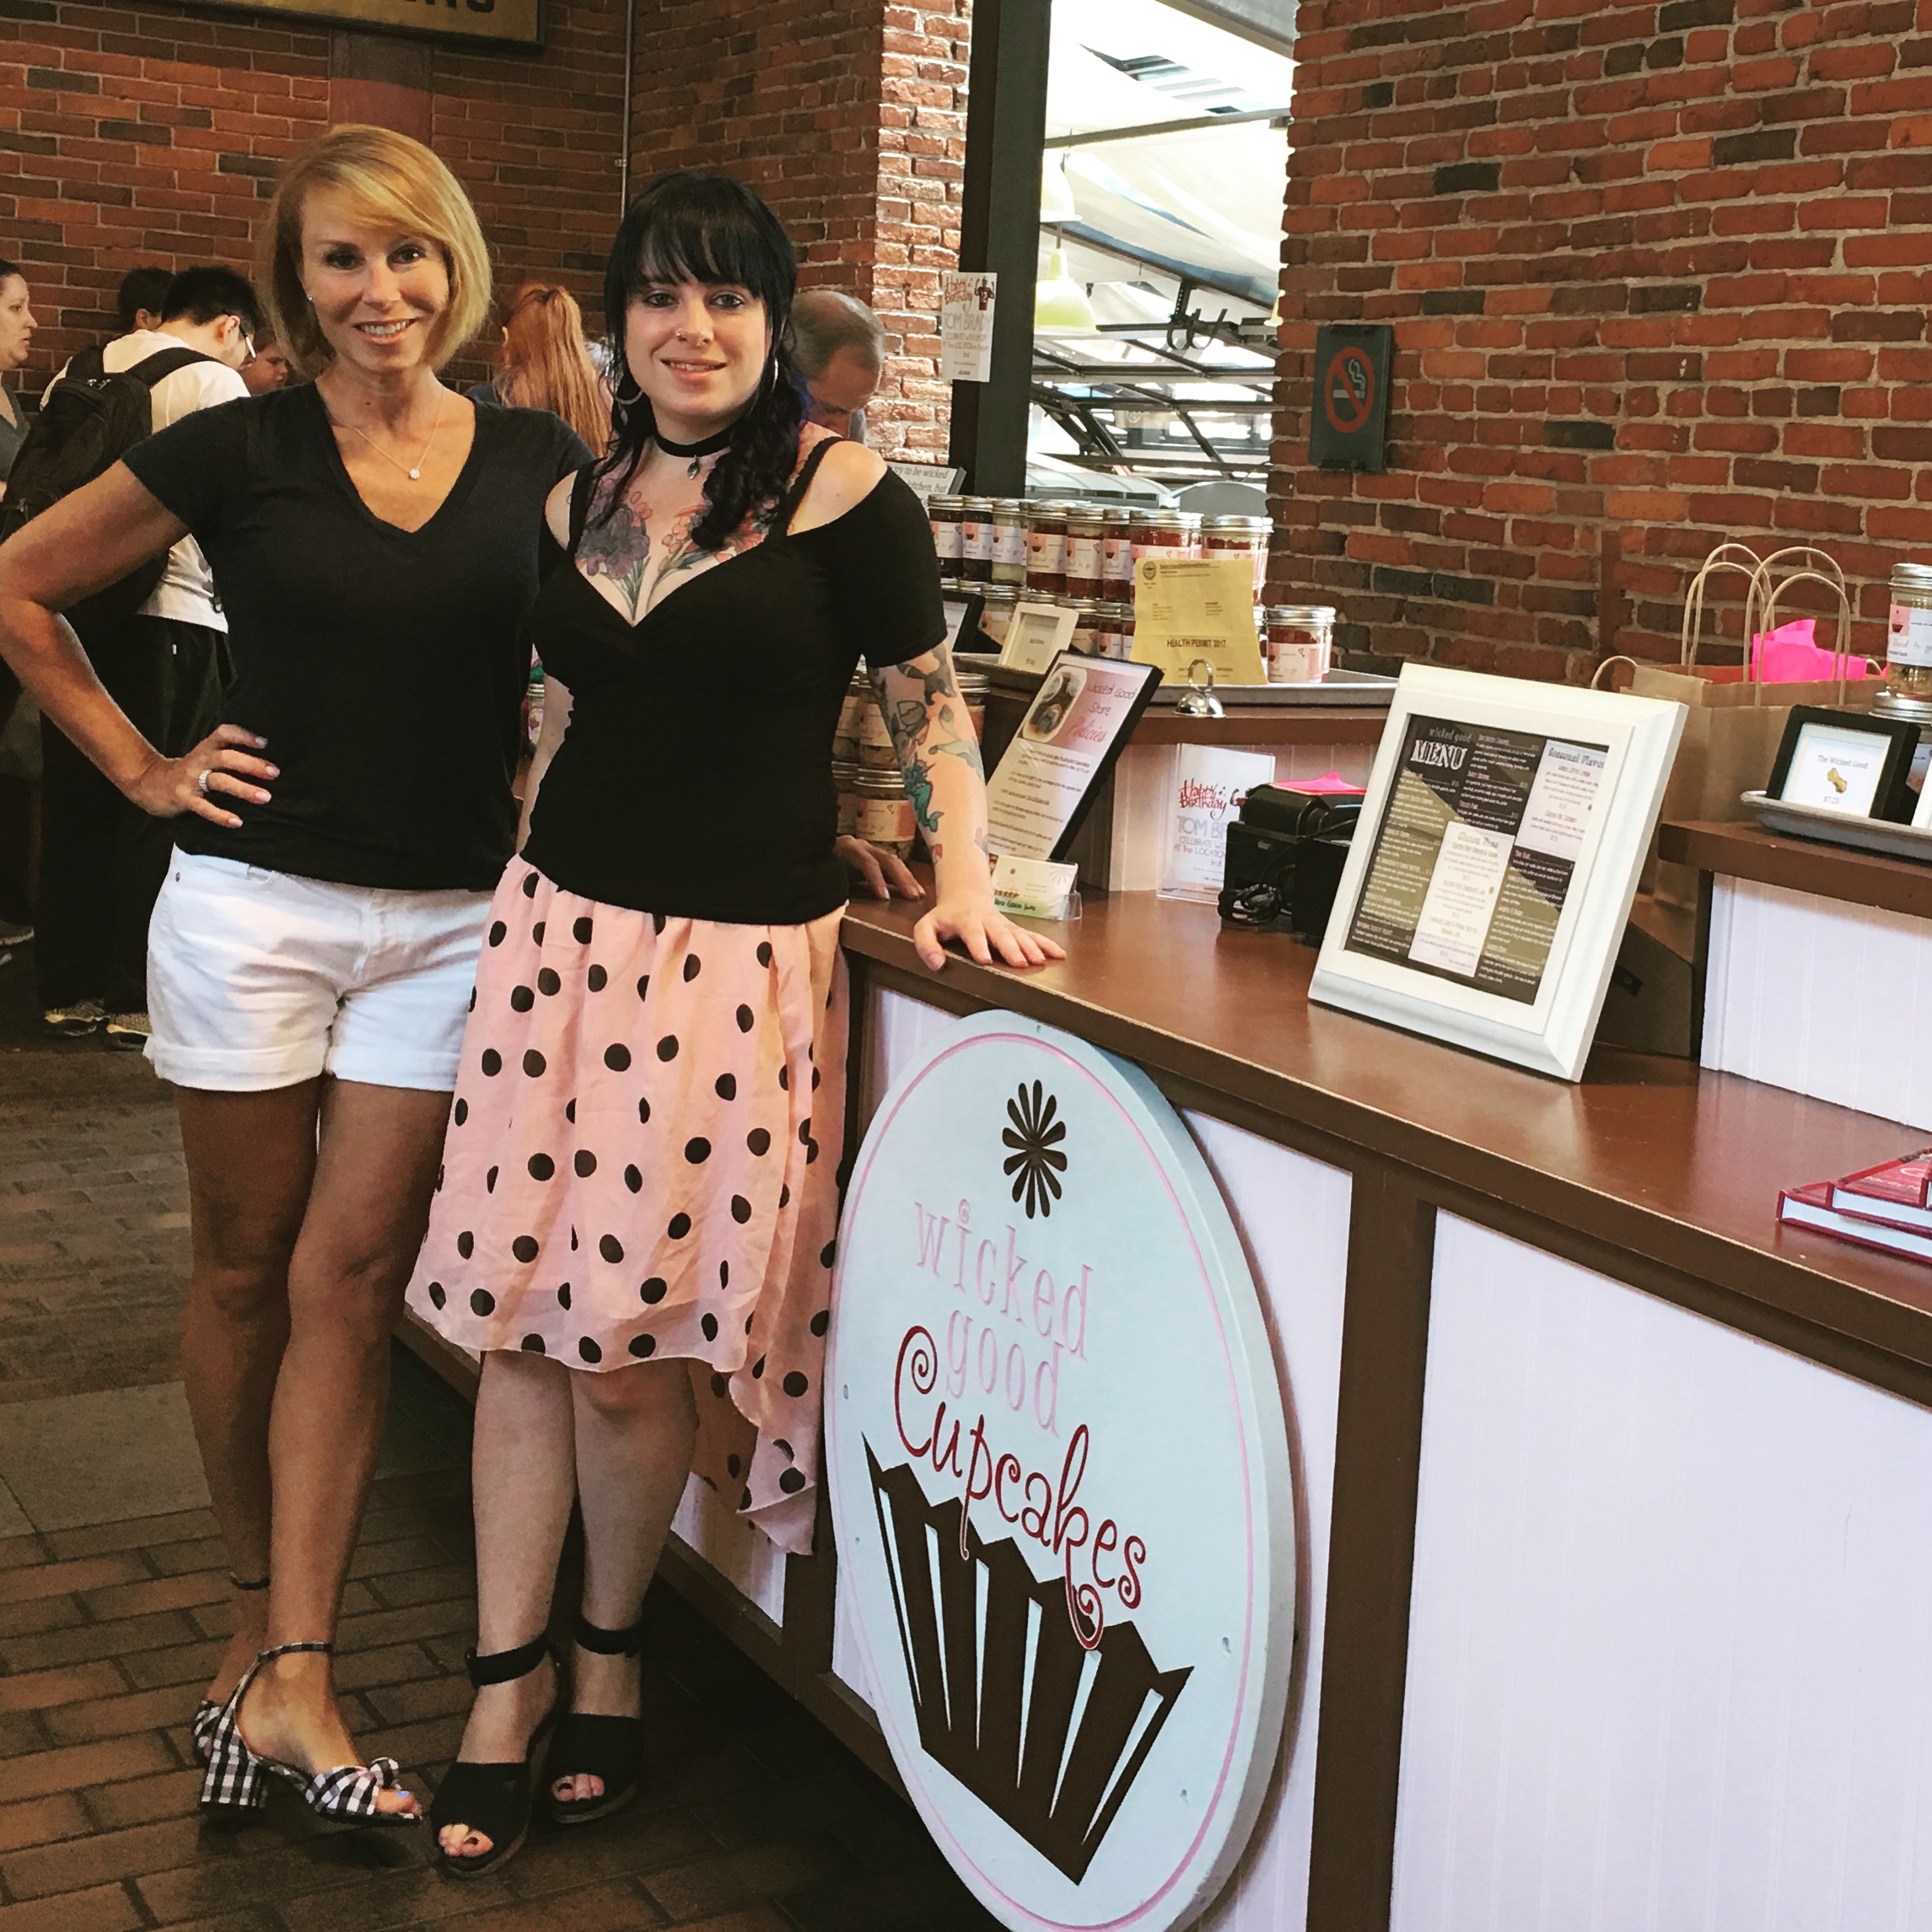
(1208, 787)
(966, 325)
(1190, 609)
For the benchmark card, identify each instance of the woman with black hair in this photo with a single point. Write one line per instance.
(638, 1203)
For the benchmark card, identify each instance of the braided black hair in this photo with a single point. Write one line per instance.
(695, 225)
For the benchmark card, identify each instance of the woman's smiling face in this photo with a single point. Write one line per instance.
(378, 295)
(698, 350)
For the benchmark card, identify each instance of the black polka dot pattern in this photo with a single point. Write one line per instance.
(673, 1216)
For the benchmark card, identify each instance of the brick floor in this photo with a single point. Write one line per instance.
(753, 1819)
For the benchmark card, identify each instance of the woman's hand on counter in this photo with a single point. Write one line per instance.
(885, 874)
(983, 930)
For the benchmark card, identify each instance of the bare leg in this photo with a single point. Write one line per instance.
(375, 1173)
(636, 1428)
(252, 1158)
(523, 1471)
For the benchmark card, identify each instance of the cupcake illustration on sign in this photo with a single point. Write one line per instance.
(1058, 1458)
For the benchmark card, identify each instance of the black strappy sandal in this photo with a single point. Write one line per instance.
(588, 1745)
(494, 1798)
(208, 1711)
(238, 1776)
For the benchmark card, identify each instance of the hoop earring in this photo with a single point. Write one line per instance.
(618, 393)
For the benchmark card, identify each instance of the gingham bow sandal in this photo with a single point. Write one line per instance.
(238, 1778)
(207, 1712)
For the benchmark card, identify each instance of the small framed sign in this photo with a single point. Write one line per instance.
(1036, 634)
(1848, 761)
(1490, 879)
(1079, 723)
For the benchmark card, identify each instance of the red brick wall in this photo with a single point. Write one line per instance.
(850, 118)
(134, 130)
(1659, 275)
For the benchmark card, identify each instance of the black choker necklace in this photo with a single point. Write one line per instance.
(706, 446)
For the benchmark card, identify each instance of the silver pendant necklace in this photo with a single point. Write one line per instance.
(414, 473)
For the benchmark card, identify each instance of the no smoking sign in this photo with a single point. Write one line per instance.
(1347, 426)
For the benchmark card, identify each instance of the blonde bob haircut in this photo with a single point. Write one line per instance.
(389, 182)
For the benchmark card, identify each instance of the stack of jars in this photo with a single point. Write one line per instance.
(872, 801)
(1008, 551)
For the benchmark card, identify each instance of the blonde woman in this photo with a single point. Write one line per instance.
(374, 541)
(544, 363)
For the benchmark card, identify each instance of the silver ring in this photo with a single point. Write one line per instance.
(202, 782)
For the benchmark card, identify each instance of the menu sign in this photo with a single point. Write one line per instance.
(1060, 1486)
(1075, 729)
(1476, 851)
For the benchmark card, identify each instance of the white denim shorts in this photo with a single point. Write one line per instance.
(259, 979)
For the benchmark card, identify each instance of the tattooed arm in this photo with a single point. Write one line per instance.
(939, 757)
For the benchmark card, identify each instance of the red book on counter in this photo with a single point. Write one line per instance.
(1899, 1193)
(1814, 1208)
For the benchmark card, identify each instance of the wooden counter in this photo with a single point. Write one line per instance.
(1668, 1163)
(1747, 851)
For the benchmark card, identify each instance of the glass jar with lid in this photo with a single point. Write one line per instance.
(1116, 631)
(974, 686)
(1245, 537)
(1301, 642)
(859, 699)
(883, 815)
(1087, 628)
(975, 540)
(1000, 602)
(1047, 549)
(845, 774)
(1165, 533)
(945, 514)
(1008, 558)
(1909, 635)
(1086, 531)
(873, 746)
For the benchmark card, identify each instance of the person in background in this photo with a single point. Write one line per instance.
(17, 326)
(840, 347)
(269, 371)
(544, 363)
(102, 856)
(141, 297)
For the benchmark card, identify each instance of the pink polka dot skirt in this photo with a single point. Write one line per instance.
(642, 1163)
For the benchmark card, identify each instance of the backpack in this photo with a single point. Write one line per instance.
(88, 422)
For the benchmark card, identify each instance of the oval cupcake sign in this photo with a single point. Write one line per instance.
(1060, 1482)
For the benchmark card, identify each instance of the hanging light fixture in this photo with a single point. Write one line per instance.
(1059, 302)
(1055, 193)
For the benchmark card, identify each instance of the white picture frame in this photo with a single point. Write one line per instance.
(1523, 980)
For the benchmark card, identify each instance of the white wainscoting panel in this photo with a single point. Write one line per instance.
(1671, 1644)
(1292, 1213)
(1820, 997)
(745, 1558)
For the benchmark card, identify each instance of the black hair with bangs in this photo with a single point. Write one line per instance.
(703, 227)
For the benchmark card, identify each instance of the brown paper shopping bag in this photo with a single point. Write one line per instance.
(1733, 724)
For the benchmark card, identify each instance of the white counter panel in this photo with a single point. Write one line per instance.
(1292, 1213)
(710, 1529)
(1670, 1653)
(1293, 1216)
(1818, 997)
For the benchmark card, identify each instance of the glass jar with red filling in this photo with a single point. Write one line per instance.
(975, 540)
(1085, 565)
(1046, 550)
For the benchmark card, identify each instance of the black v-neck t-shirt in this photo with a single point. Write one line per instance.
(694, 779)
(384, 667)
